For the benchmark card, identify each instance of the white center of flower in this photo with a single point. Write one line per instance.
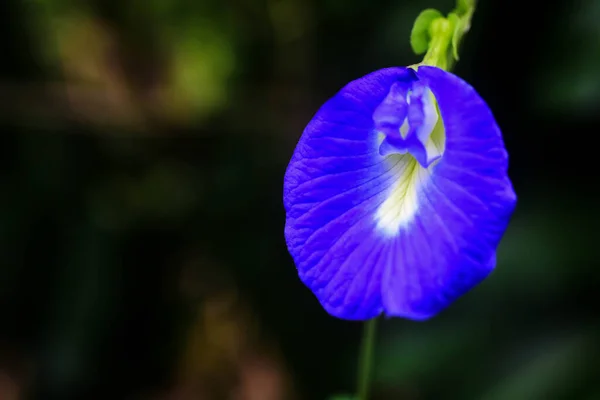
(412, 138)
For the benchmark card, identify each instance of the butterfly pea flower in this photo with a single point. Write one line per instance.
(397, 195)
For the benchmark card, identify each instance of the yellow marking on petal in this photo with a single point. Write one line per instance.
(438, 135)
(399, 209)
(404, 128)
(402, 203)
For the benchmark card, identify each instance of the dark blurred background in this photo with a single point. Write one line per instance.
(142, 149)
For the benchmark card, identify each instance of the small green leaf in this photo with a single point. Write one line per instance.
(461, 25)
(419, 36)
(465, 6)
(456, 36)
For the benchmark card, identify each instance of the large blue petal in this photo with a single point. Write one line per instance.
(333, 185)
(465, 204)
(374, 233)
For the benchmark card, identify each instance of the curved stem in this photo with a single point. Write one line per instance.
(365, 360)
(441, 37)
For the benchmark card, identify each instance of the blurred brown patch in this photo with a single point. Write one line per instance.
(9, 390)
(262, 378)
(97, 90)
(225, 354)
(14, 373)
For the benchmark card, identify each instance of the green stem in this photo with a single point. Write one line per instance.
(438, 54)
(365, 360)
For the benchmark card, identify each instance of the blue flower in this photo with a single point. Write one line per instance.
(397, 195)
